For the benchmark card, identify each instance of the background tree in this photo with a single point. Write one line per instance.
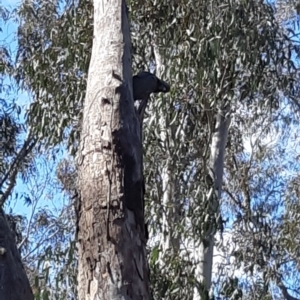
(220, 57)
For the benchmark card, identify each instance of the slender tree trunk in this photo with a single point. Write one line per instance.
(219, 140)
(112, 258)
(170, 240)
(14, 284)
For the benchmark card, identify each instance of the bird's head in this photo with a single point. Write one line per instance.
(146, 83)
(162, 86)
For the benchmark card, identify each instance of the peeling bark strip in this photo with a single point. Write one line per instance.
(14, 284)
(112, 257)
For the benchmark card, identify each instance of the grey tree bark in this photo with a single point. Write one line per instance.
(14, 284)
(112, 257)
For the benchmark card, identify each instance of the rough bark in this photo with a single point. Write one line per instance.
(14, 284)
(112, 258)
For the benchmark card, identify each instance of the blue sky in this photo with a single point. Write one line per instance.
(8, 37)
(16, 203)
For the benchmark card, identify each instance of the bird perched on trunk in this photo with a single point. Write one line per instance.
(144, 84)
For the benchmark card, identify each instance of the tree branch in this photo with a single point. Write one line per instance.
(13, 170)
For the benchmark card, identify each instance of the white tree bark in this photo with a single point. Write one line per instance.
(206, 249)
(170, 240)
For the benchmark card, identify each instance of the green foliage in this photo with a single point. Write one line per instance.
(52, 62)
(213, 52)
(168, 279)
(61, 262)
(48, 248)
(9, 129)
(15, 153)
(45, 240)
(231, 290)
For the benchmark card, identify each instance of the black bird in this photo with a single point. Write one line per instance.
(144, 84)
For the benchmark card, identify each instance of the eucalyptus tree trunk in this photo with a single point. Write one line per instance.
(170, 240)
(219, 140)
(14, 284)
(112, 257)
